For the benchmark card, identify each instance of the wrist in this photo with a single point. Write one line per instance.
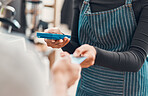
(99, 55)
(59, 78)
(95, 50)
(60, 85)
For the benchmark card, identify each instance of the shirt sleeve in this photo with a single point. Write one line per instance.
(133, 59)
(74, 43)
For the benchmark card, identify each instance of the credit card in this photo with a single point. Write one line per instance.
(77, 60)
(51, 36)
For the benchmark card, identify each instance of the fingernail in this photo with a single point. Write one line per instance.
(60, 40)
(53, 41)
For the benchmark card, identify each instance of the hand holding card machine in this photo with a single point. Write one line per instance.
(52, 36)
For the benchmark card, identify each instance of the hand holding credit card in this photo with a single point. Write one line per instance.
(52, 36)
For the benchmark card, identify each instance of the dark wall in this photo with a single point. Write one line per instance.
(67, 13)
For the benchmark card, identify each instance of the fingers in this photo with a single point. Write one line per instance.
(53, 30)
(61, 41)
(57, 43)
(66, 40)
(86, 51)
(52, 41)
(63, 54)
(48, 40)
(80, 51)
(89, 61)
(66, 57)
(66, 60)
(87, 54)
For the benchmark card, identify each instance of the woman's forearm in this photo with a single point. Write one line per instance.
(74, 43)
(133, 59)
(129, 61)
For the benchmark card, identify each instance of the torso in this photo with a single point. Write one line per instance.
(103, 5)
(110, 30)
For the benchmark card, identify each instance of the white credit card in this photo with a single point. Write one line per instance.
(77, 60)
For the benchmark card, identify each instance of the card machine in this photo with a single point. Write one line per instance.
(52, 36)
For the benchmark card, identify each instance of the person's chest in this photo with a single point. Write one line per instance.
(104, 5)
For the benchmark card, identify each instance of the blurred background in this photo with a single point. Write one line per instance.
(21, 19)
(37, 15)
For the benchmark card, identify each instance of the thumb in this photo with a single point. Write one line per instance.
(67, 58)
(78, 52)
(63, 54)
(81, 50)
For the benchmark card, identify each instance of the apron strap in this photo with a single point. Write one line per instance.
(86, 0)
(128, 2)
